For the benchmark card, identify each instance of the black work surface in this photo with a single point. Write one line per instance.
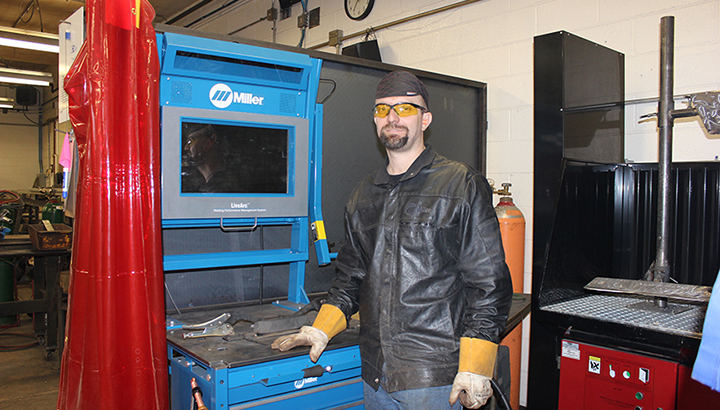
(245, 348)
(519, 309)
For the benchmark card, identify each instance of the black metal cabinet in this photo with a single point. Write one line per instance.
(579, 116)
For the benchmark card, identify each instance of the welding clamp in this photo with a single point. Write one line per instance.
(215, 327)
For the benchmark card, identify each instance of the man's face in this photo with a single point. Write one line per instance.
(196, 148)
(402, 133)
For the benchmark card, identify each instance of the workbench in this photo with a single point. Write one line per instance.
(519, 309)
(46, 288)
(240, 370)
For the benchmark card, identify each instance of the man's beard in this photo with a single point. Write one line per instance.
(193, 160)
(394, 139)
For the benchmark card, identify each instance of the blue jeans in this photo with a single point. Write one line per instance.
(430, 398)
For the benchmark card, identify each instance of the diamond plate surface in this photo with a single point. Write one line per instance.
(678, 319)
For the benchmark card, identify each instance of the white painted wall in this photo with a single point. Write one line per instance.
(19, 162)
(492, 41)
(20, 149)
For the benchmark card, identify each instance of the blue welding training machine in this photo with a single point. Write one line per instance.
(250, 110)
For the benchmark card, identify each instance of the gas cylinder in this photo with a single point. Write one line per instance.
(512, 229)
(53, 211)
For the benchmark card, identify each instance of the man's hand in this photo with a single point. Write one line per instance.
(473, 390)
(308, 336)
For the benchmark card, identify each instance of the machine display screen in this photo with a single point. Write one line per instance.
(232, 158)
(224, 164)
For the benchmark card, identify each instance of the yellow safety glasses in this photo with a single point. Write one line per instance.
(405, 109)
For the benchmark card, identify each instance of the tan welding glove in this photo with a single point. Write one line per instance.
(329, 322)
(308, 336)
(477, 363)
(472, 389)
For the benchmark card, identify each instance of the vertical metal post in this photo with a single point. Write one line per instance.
(661, 270)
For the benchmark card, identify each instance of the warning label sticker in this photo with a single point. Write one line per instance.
(570, 350)
(594, 364)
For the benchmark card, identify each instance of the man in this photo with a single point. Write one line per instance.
(423, 263)
(204, 152)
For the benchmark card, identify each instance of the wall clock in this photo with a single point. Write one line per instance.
(358, 9)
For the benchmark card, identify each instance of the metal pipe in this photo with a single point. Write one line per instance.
(661, 270)
(655, 99)
(213, 12)
(246, 26)
(400, 21)
(684, 113)
(189, 11)
(24, 12)
(274, 28)
(40, 132)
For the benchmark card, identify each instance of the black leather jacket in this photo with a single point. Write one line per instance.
(423, 262)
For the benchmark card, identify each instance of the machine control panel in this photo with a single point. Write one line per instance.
(599, 378)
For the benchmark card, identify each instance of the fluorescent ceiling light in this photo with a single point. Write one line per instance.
(10, 75)
(6, 100)
(32, 40)
(6, 105)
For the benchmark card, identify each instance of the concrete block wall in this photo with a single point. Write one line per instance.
(492, 41)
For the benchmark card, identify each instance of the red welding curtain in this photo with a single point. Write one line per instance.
(116, 355)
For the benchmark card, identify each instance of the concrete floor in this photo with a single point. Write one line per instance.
(27, 380)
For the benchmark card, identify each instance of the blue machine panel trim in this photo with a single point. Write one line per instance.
(224, 61)
(292, 368)
(286, 376)
(230, 259)
(322, 250)
(220, 94)
(247, 386)
(212, 382)
(234, 67)
(332, 396)
(296, 278)
(230, 222)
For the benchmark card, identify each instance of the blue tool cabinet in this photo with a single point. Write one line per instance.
(242, 372)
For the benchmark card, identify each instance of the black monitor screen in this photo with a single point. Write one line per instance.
(221, 158)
